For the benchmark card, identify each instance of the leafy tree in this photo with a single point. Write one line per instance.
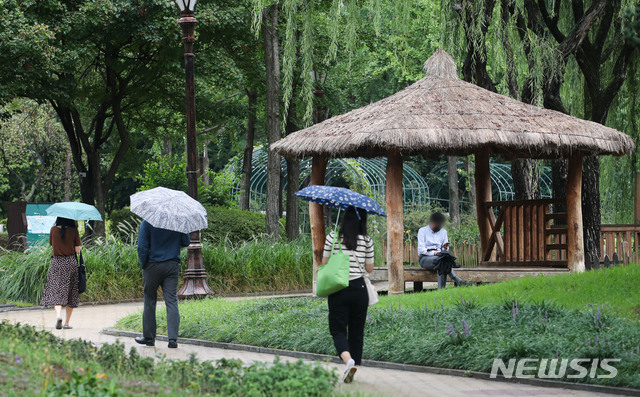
(34, 149)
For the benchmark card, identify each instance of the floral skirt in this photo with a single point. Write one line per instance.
(62, 283)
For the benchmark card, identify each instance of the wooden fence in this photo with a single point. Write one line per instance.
(526, 233)
(468, 254)
(620, 243)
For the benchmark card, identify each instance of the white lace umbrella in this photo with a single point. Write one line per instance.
(169, 209)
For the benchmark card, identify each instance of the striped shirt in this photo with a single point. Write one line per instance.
(364, 253)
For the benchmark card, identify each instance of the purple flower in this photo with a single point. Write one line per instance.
(435, 325)
(426, 307)
(531, 324)
(587, 341)
(546, 318)
(18, 360)
(557, 354)
(596, 339)
(514, 311)
(451, 329)
(609, 343)
(465, 327)
(442, 304)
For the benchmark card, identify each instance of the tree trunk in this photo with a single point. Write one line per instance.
(293, 208)
(471, 181)
(247, 158)
(591, 211)
(525, 179)
(67, 178)
(454, 197)
(272, 67)
(292, 225)
(204, 163)
(166, 147)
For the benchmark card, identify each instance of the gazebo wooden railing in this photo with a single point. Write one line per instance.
(622, 240)
(526, 233)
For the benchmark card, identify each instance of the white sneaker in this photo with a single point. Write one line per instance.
(349, 372)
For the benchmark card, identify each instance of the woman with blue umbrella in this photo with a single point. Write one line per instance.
(348, 306)
(61, 289)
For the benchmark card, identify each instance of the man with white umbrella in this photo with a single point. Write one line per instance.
(159, 254)
(169, 216)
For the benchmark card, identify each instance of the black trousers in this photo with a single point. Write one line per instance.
(347, 316)
(426, 262)
(165, 275)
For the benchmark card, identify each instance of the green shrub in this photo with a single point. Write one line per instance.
(234, 225)
(166, 171)
(219, 190)
(124, 224)
(75, 367)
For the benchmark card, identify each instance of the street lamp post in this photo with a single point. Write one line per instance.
(195, 277)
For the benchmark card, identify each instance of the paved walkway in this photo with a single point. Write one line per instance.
(89, 321)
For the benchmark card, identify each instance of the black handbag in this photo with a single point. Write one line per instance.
(82, 274)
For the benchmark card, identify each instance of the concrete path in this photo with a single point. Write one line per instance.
(89, 321)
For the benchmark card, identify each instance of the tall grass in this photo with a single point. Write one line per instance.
(113, 272)
(258, 265)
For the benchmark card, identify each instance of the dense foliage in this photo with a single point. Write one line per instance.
(543, 317)
(77, 368)
(234, 225)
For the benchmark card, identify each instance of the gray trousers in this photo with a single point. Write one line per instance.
(165, 275)
(427, 262)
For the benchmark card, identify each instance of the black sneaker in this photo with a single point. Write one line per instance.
(461, 283)
(145, 341)
(59, 323)
(173, 344)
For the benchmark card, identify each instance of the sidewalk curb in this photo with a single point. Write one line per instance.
(390, 365)
(283, 294)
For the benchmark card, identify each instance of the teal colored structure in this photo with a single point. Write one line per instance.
(38, 223)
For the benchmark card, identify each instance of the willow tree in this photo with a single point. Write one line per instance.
(537, 48)
(303, 36)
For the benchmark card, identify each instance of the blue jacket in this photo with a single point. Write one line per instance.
(159, 245)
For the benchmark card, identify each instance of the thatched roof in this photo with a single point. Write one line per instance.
(441, 114)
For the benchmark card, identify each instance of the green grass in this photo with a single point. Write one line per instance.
(113, 272)
(619, 286)
(38, 363)
(413, 328)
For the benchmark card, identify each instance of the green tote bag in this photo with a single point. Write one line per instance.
(333, 276)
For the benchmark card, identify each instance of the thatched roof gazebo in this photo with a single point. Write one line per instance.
(443, 115)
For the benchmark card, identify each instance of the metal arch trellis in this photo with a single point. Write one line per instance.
(417, 192)
(373, 173)
(501, 180)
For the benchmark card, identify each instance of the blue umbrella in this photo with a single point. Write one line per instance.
(339, 197)
(75, 211)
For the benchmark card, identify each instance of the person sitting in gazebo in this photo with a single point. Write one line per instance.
(433, 241)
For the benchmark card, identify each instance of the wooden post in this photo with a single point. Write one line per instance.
(636, 199)
(395, 222)
(483, 195)
(316, 215)
(575, 243)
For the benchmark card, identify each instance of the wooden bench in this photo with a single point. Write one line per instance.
(418, 275)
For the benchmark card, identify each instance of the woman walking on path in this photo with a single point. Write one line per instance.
(348, 307)
(62, 282)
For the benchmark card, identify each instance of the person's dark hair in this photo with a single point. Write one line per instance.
(437, 217)
(64, 223)
(352, 227)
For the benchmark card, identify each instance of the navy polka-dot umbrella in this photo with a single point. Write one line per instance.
(339, 197)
